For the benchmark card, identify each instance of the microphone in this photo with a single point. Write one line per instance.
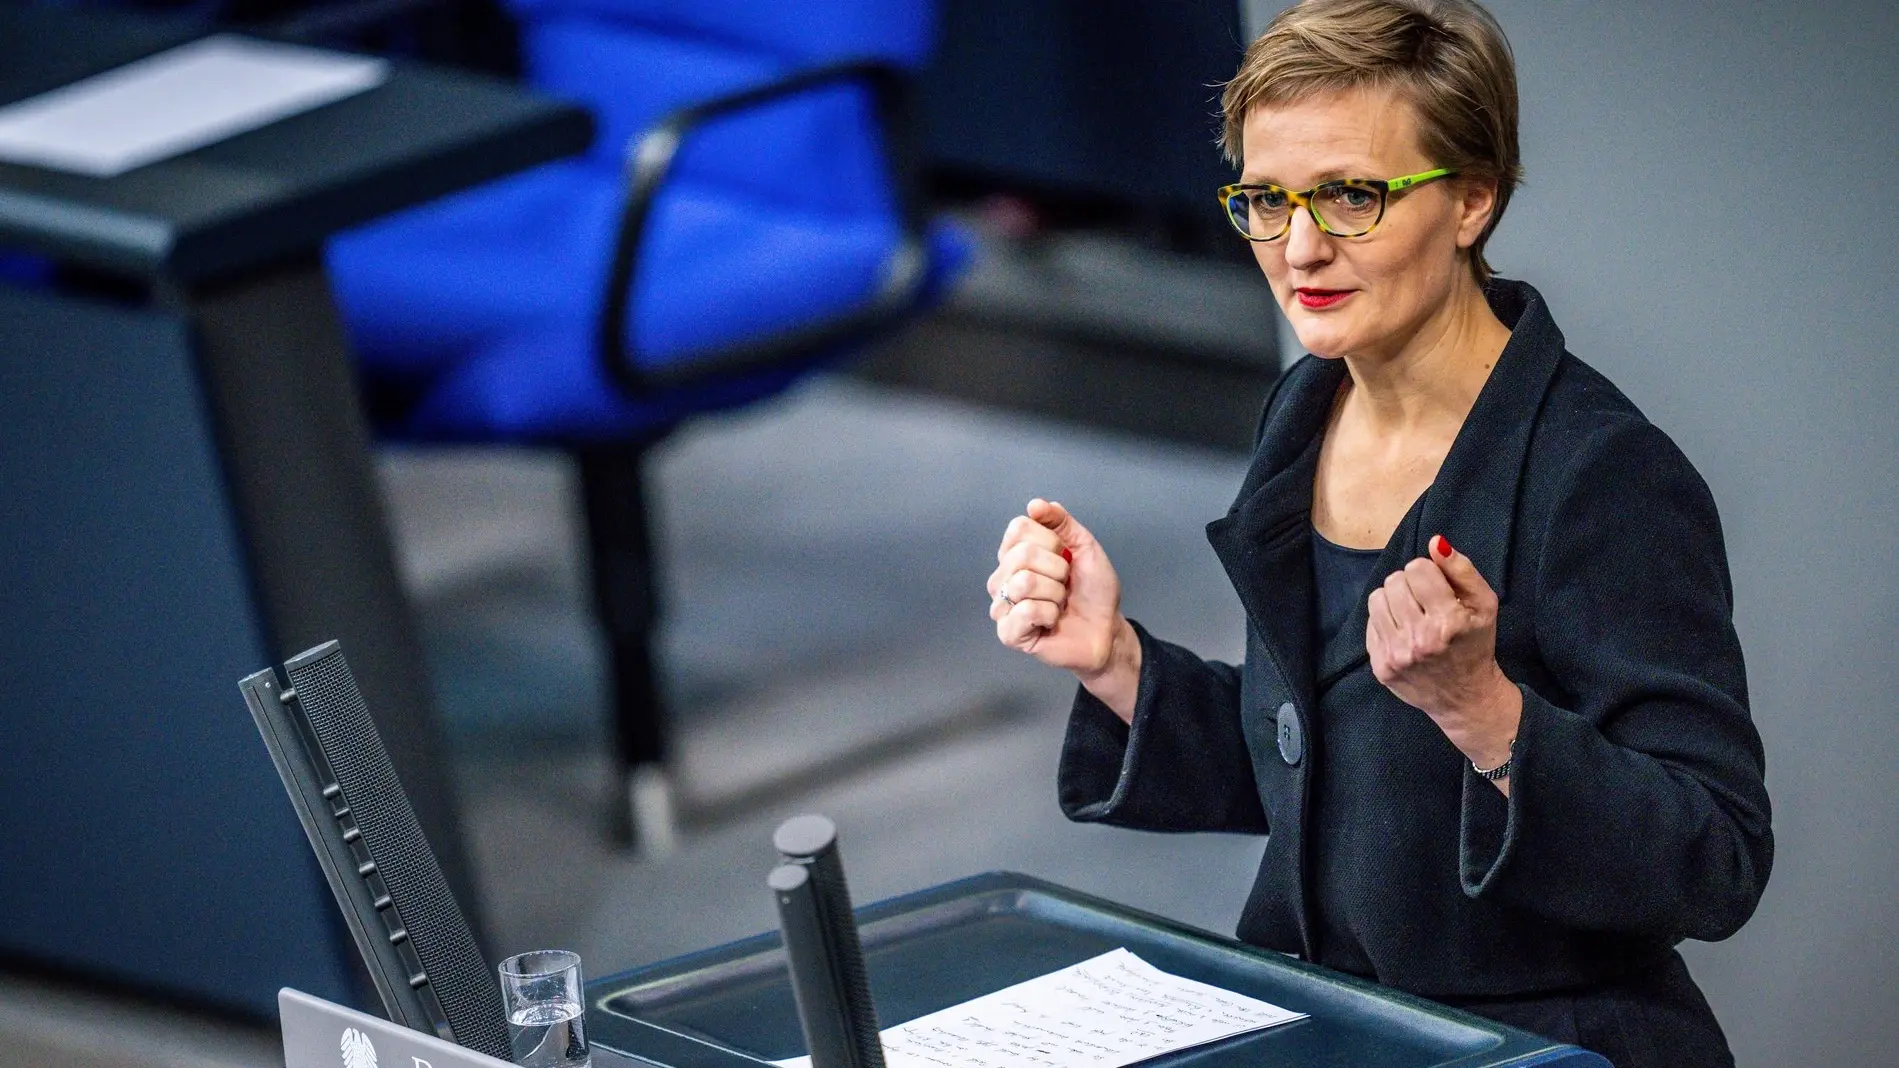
(827, 961)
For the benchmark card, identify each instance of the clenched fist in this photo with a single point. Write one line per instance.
(1055, 596)
(1432, 637)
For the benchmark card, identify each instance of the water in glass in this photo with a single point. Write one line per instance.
(549, 1034)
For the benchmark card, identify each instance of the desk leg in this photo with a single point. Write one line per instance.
(276, 369)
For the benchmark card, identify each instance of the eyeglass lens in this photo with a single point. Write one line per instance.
(1346, 208)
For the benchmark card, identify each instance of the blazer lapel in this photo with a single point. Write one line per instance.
(1263, 540)
(1473, 500)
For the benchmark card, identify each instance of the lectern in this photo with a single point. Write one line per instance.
(732, 1007)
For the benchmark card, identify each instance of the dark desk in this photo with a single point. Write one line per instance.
(218, 250)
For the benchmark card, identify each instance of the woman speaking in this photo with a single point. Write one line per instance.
(1493, 716)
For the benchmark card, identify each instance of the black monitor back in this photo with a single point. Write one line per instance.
(415, 941)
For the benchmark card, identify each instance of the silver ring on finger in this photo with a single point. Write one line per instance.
(1005, 598)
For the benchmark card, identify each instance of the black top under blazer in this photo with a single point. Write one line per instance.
(1637, 814)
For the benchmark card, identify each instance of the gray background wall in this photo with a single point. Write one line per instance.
(1707, 211)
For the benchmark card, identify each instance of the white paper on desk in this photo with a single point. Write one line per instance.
(1113, 1010)
(176, 101)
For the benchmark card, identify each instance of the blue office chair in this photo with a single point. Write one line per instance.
(749, 213)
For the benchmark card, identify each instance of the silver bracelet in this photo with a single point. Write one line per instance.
(1501, 771)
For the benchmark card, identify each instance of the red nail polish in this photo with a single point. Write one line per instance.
(1441, 546)
(1067, 557)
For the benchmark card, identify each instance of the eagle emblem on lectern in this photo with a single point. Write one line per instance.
(357, 1052)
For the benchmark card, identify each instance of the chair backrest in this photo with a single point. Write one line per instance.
(632, 62)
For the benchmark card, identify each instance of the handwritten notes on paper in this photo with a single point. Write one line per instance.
(1110, 1011)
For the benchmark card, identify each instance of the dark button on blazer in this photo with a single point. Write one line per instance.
(1637, 815)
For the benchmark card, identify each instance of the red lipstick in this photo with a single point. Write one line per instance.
(1321, 298)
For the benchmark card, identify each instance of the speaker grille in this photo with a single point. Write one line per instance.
(439, 933)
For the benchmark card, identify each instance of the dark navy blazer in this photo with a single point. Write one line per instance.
(1637, 815)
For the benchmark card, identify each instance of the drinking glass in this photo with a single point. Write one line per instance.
(540, 992)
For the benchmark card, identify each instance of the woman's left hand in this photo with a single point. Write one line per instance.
(1432, 636)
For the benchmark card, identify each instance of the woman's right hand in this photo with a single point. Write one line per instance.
(1067, 605)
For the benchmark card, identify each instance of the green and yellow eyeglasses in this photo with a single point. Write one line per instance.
(1347, 207)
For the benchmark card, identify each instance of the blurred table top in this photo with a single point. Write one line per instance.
(271, 193)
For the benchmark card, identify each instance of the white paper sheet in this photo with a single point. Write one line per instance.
(176, 101)
(1111, 1011)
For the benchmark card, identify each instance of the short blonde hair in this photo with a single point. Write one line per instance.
(1449, 58)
